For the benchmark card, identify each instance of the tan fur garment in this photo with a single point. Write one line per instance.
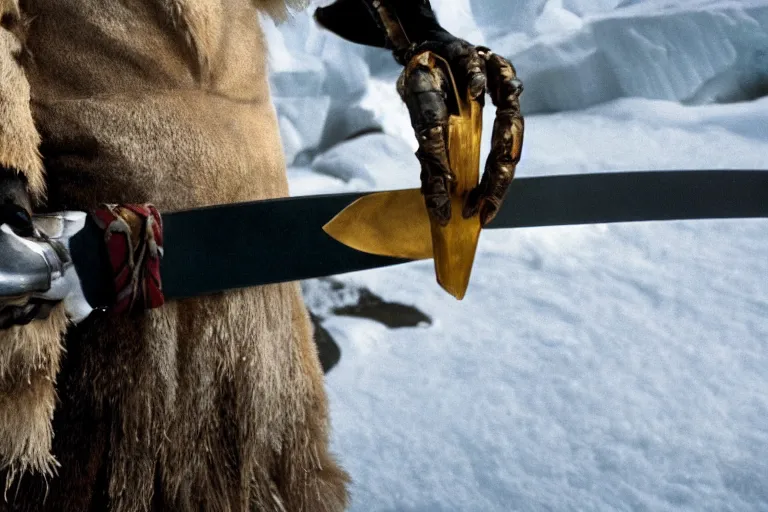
(214, 403)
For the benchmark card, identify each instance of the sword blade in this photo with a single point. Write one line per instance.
(213, 249)
(234, 246)
(633, 197)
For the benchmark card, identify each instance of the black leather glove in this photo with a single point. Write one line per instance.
(410, 29)
(357, 21)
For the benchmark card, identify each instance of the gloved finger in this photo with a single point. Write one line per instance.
(506, 142)
(469, 67)
(423, 88)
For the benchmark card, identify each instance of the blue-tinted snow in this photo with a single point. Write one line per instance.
(574, 55)
(620, 367)
(697, 52)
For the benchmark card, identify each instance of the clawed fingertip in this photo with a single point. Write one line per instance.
(471, 204)
(487, 213)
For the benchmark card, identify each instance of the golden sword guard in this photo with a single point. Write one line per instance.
(397, 224)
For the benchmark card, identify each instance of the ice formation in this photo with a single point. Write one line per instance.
(570, 54)
(699, 52)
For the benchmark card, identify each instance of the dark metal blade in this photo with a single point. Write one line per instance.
(234, 246)
(218, 248)
(634, 196)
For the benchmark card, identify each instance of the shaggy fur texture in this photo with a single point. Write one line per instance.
(214, 403)
(19, 139)
(29, 364)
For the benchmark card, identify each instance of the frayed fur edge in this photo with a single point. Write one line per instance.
(26, 432)
(28, 396)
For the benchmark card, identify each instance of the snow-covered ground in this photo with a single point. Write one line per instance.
(595, 368)
(606, 367)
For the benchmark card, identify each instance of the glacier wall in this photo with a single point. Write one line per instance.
(571, 54)
(711, 52)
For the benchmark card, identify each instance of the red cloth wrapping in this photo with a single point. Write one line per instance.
(133, 235)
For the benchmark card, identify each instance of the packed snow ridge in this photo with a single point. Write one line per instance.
(571, 54)
(696, 53)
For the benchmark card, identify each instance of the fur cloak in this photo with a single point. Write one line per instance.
(212, 404)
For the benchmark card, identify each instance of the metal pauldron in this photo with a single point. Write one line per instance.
(40, 266)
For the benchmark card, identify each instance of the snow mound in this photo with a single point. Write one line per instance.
(699, 52)
(498, 18)
(317, 82)
(371, 162)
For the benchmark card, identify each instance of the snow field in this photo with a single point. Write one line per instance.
(609, 367)
(606, 367)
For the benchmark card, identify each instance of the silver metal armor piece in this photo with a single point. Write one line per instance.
(27, 266)
(41, 266)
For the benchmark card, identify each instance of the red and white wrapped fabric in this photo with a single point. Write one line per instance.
(133, 235)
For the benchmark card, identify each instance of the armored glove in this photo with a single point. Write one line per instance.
(410, 29)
